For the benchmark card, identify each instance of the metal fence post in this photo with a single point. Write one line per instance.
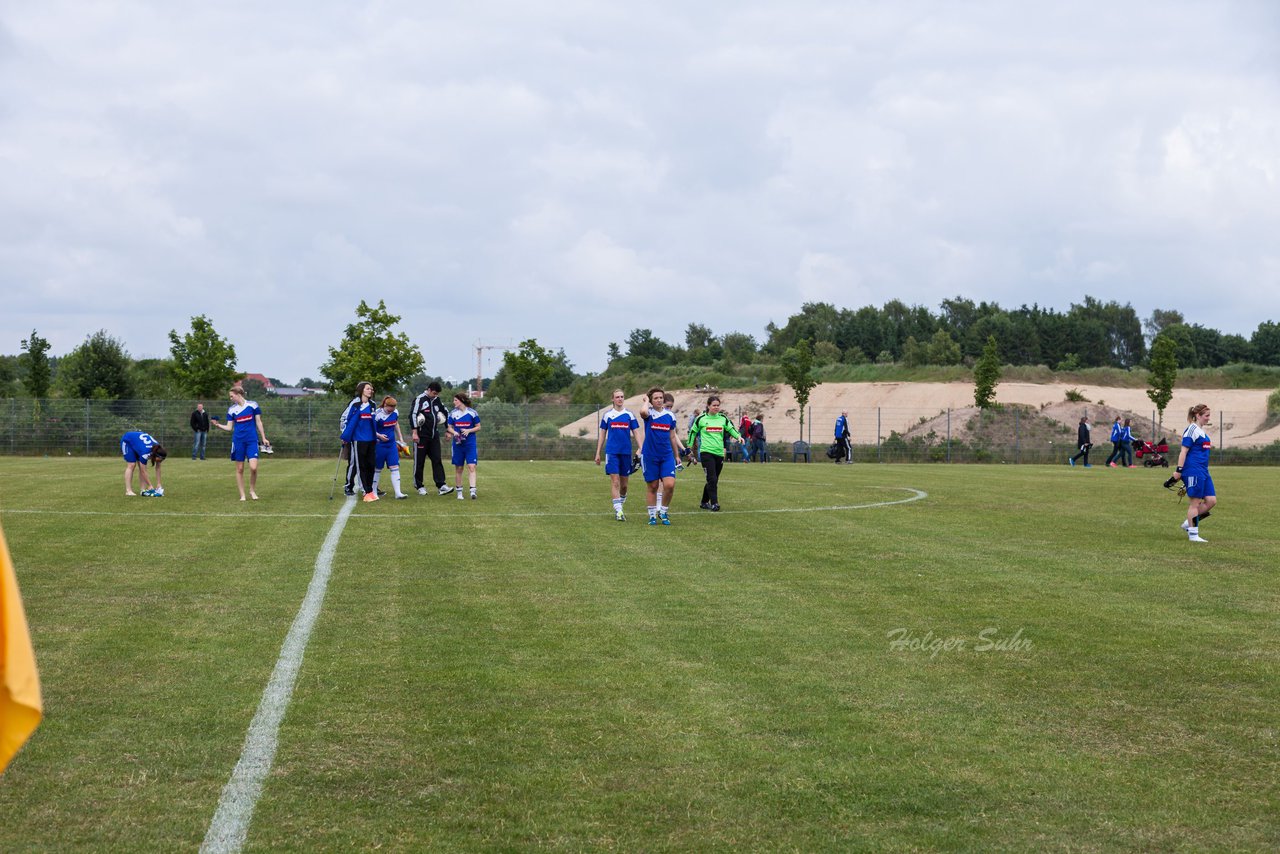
(1017, 438)
(86, 426)
(948, 434)
(878, 435)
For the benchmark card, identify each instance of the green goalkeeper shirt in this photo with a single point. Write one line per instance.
(709, 429)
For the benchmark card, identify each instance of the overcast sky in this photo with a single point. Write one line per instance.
(570, 171)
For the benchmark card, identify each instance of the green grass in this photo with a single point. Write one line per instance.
(484, 676)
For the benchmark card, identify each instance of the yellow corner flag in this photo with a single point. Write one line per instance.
(20, 708)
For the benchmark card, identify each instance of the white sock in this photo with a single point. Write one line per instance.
(617, 505)
(653, 512)
(661, 508)
(376, 475)
(395, 481)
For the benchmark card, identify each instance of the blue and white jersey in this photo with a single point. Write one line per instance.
(618, 425)
(241, 418)
(1199, 444)
(385, 423)
(140, 443)
(657, 434)
(359, 426)
(464, 419)
(842, 424)
(1117, 432)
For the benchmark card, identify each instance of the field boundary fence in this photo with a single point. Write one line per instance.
(308, 428)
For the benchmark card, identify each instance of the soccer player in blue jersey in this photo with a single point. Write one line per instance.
(1193, 470)
(617, 428)
(139, 448)
(244, 423)
(386, 426)
(464, 423)
(658, 455)
(362, 437)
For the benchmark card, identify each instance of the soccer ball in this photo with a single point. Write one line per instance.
(441, 418)
(421, 420)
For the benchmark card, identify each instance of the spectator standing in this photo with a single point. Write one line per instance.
(360, 433)
(200, 427)
(758, 446)
(744, 429)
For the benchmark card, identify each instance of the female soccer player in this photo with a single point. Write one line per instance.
(1193, 470)
(617, 427)
(360, 433)
(658, 455)
(138, 447)
(244, 423)
(386, 426)
(464, 423)
(708, 431)
(1116, 457)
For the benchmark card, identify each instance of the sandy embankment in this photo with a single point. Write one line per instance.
(902, 406)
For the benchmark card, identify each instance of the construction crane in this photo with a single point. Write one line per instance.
(480, 348)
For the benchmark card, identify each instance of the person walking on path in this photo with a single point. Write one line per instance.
(1116, 457)
(843, 438)
(1082, 439)
(1126, 445)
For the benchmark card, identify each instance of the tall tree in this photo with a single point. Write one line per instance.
(529, 367)
(986, 375)
(797, 371)
(36, 364)
(1265, 343)
(371, 352)
(1163, 372)
(204, 363)
(98, 368)
(1159, 319)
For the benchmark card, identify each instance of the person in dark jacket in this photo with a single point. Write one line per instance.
(427, 415)
(758, 447)
(199, 426)
(1082, 439)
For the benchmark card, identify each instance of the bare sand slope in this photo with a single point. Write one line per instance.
(902, 406)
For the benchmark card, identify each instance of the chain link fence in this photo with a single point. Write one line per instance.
(308, 427)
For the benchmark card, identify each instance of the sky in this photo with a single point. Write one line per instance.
(498, 171)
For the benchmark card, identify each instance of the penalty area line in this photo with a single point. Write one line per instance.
(230, 825)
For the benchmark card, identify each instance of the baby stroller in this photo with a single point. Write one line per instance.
(1152, 455)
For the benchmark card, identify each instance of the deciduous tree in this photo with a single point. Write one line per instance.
(371, 352)
(204, 363)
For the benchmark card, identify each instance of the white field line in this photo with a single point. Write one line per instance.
(372, 514)
(230, 825)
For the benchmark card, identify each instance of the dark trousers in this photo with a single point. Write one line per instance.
(365, 457)
(1117, 454)
(348, 454)
(711, 464)
(846, 448)
(1084, 452)
(420, 454)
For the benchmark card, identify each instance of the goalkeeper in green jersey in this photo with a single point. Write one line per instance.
(708, 432)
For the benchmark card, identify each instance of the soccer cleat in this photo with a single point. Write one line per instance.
(461, 497)
(402, 495)
(618, 516)
(1112, 465)
(443, 490)
(381, 492)
(1185, 525)
(473, 495)
(706, 505)
(422, 490)
(715, 508)
(653, 520)
(1070, 461)
(1086, 465)
(369, 496)
(665, 519)
(1196, 538)
(147, 493)
(349, 492)
(1131, 466)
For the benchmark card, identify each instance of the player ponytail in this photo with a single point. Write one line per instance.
(158, 454)
(1196, 410)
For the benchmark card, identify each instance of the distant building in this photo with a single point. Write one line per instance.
(262, 378)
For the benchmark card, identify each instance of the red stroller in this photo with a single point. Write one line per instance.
(1152, 455)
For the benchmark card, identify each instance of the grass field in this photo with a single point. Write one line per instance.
(1020, 658)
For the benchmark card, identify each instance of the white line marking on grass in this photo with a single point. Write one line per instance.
(230, 823)
(467, 509)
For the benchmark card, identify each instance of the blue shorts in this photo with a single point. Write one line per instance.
(465, 452)
(244, 449)
(619, 464)
(130, 455)
(1199, 484)
(657, 468)
(385, 454)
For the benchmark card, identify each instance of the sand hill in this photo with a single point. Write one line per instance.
(905, 407)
